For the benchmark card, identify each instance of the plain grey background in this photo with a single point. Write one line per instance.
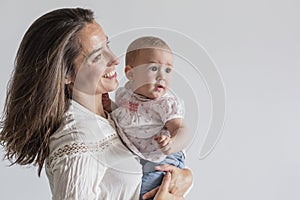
(256, 47)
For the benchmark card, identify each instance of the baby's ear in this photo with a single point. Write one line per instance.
(128, 72)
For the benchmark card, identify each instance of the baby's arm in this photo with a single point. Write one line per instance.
(179, 137)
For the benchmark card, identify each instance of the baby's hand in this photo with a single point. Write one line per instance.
(164, 143)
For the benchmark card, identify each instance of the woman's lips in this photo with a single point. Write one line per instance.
(110, 75)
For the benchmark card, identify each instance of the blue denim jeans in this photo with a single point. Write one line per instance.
(152, 178)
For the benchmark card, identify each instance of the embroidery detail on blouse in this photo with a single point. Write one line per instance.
(131, 106)
(75, 148)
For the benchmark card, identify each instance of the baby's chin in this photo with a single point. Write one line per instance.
(156, 95)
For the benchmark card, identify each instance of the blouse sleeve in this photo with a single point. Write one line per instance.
(170, 108)
(77, 177)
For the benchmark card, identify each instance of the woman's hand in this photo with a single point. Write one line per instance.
(108, 104)
(163, 192)
(181, 181)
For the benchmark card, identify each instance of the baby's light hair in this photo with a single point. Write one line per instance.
(146, 42)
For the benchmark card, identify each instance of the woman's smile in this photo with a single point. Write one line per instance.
(110, 75)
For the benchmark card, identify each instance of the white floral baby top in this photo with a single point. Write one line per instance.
(139, 119)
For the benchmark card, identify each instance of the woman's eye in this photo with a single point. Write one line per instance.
(168, 70)
(97, 58)
(153, 68)
(107, 44)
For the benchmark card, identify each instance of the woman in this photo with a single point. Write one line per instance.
(54, 112)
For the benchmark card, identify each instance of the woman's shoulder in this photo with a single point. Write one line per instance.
(81, 128)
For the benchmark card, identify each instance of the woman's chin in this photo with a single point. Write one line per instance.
(110, 87)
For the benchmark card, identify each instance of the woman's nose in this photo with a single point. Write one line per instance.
(114, 60)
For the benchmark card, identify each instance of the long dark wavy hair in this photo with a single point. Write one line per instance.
(37, 96)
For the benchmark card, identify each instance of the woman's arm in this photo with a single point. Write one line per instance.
(76, 177)
(181, 182)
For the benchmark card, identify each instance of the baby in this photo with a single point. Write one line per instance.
(148, 115)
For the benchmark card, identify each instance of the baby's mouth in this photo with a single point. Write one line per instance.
(159, 87)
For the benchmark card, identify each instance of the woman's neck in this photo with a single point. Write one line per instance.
(91, 102)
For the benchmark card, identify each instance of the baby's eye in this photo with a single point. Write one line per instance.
(168, 70)
(153, 68)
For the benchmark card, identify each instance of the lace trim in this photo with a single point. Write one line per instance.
(76, 148)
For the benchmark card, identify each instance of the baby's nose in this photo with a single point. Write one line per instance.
(160, 75)
(162, 82)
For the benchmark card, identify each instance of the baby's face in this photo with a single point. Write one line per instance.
(151, 73)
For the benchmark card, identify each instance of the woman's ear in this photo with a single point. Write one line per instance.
(68, 80)
(128, 72)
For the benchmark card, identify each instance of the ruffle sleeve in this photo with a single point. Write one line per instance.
(170, 108)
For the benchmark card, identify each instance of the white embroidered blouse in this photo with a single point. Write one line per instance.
(89, 161)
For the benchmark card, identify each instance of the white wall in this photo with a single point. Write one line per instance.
(256, 47)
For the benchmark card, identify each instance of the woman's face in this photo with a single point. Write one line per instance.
(95, 66)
